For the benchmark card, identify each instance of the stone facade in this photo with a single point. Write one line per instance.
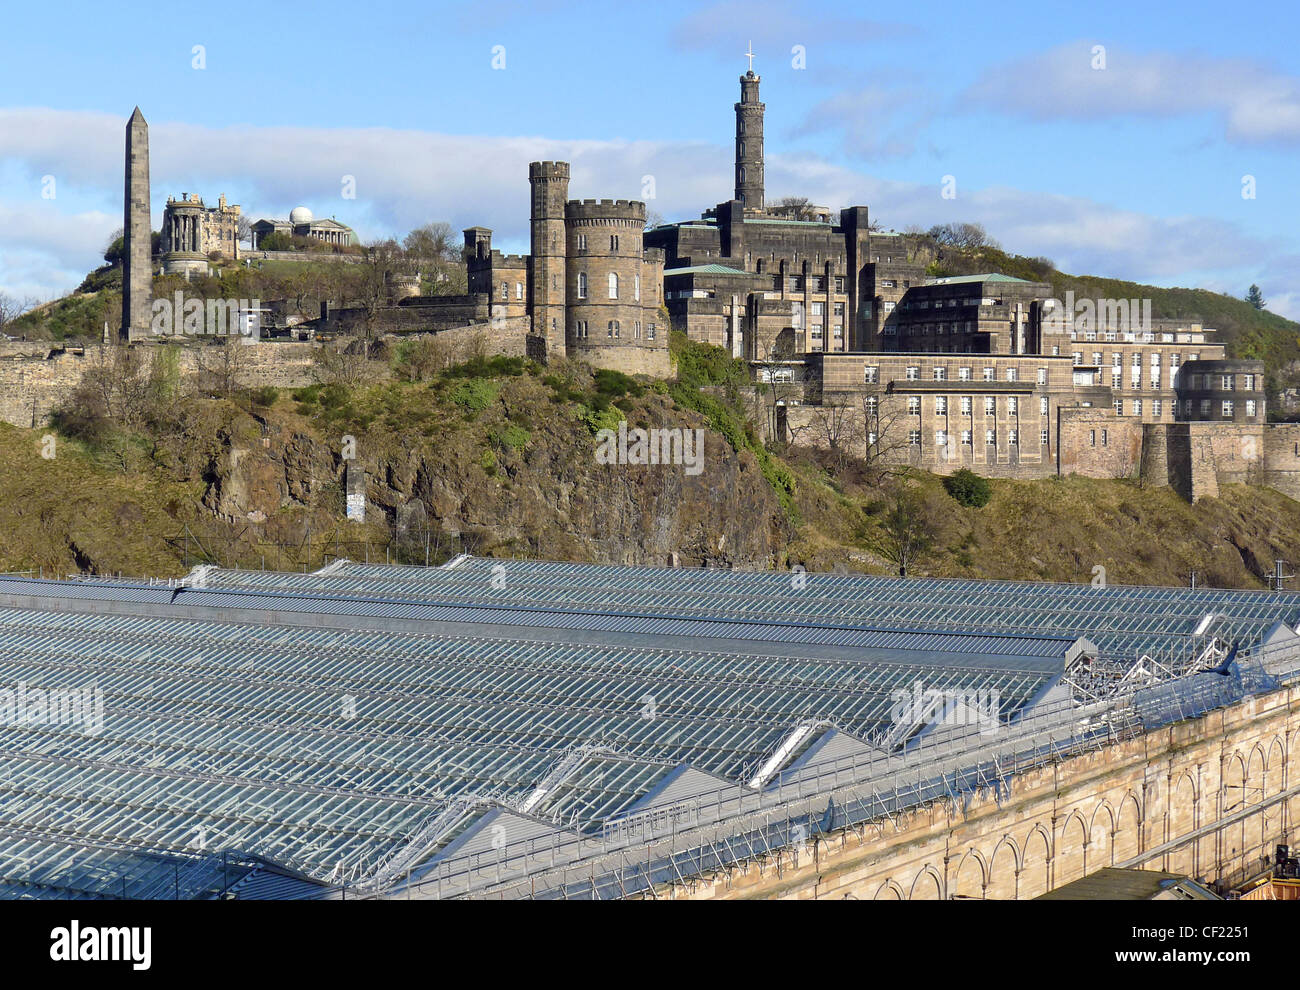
(1208, 797)
(191, 232)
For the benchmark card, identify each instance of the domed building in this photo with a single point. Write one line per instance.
(303, 223)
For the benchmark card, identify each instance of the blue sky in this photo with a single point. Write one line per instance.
(1132, 170)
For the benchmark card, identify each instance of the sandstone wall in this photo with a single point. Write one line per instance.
(1179, 786)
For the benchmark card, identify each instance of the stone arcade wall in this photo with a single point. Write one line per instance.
(1179, 785)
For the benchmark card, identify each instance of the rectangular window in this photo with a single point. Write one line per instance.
(991, 438)
(1248, 383)
(941, 405)
(1042, 376)
(1157, 408)
(1013, 405)
(1092, 438)
(873, 405)
(965, 405)
(941, 438)
(965, 438)
(1119, 407)
(1013, 438)
(988, 374)
(963, 374)
(914, 438)
(1137, 407)
(1250, 408)
(913, 373)
(870, 375)
(1042, 406)
(1205, 407)
(1227, 409)
(990, 405)
(1105, 438)
(940, 374)
(1227, 383)
(1011, 374)
(914, 405)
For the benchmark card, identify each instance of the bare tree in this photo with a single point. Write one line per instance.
(11, 308)
(795, 207)
(433, 252)
(885, 435)
(907, 529)
(221, 366)
(381, 260)
(962, 235)
(836, 426)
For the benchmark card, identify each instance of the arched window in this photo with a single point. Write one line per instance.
(582, 285)
(613, 285)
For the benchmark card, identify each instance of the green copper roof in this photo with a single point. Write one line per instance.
(963, 279)
(797, 223)
(704, 270)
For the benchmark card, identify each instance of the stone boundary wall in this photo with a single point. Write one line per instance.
(36, 376)
(32, 387)
(1062, 821)
(257, 254)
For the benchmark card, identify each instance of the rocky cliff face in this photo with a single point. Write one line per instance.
(544, 497)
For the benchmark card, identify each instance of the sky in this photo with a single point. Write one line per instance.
(1154, 142)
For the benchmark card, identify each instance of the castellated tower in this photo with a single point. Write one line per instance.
(137, 264)
(614, 288)
(546, 280)
(749, 144)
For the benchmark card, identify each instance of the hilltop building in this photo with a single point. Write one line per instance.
(192, 232)
(589, 286)
(302, 223)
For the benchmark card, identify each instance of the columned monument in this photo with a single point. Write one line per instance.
(137, 264)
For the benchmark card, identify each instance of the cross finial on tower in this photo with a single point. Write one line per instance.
(749, 54)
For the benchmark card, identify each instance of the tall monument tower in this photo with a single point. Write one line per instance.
(137, 265)
(546, 291)
(749, 140)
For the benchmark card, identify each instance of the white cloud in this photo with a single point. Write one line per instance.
(1255, 103)
(407, 178)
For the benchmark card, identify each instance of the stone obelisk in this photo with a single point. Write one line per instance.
(137, 264)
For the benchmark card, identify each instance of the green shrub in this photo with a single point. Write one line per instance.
(700, 364)
(514, 437)
(266, 396)
(968, 488)
(615, 384)
(474, 395)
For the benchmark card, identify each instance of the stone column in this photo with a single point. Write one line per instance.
(137, 264)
